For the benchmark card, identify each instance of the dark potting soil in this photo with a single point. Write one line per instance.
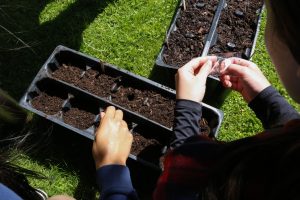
(193, 25)
(98, 84)
(90, 80)
(205, 129)
(147, 103)
(144, 101)
(237, 27)
(79, 118)
(147, 149)
(68, 73)
(47, 104)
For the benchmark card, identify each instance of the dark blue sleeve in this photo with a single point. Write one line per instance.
(6, 193)
(186, 123)
(115, 183)
(272, 109)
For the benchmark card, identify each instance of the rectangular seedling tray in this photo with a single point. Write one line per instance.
(219, 42)
(237, 29)
(191, 32)
(190, 35)
(72, 88)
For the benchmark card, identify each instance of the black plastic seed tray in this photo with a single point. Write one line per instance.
(215, 92)
(73, 100)
(209, 39)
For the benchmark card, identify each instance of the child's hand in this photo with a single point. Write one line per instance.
(245, 77)
(113, 140)
(191, 78)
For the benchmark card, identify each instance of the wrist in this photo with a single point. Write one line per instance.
(104, 162)
(254, 93)
(190, 97)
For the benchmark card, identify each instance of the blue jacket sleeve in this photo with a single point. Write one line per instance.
(6, 193)
(272, 109)
(186, 123)
(115, 183)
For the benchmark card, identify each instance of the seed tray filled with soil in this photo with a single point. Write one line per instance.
(77, 108)
(80, 112)
(183, 36)
(238, 29)
(130, 94)
(190, 33)
(57, 102)
(141, 96)
(148, 147)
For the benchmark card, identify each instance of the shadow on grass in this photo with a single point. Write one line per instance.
(19, 64)
(52, 145)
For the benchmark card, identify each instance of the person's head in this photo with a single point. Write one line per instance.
(283, 42)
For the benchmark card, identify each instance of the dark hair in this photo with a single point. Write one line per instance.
(264, 168)
(15, 178)
(287, 23)
(11, 175)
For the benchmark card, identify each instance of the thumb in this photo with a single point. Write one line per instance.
(234, 70)
(205, 69)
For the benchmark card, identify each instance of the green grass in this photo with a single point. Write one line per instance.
(127, 33)
(58, 180)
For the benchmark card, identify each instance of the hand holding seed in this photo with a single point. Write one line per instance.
(191, 78)
(243, 76)
(113, 140)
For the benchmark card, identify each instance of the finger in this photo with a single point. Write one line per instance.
(230, 84)
(102, 114)
(227, 84)
(197, 62)
(235, 70)
(124, 124)
(118, 115)
(205, 69)
(229, 78)
(110, 111)
(242, 62)
(225, 77)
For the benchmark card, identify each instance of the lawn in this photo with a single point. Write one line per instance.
(127, 33)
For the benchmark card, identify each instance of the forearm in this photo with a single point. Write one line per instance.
(115, 183)
(186, 122)
(272, 109)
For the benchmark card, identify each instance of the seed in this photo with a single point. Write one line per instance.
(200, 5)
(231, 46)
(238, 13)
(190, 35)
